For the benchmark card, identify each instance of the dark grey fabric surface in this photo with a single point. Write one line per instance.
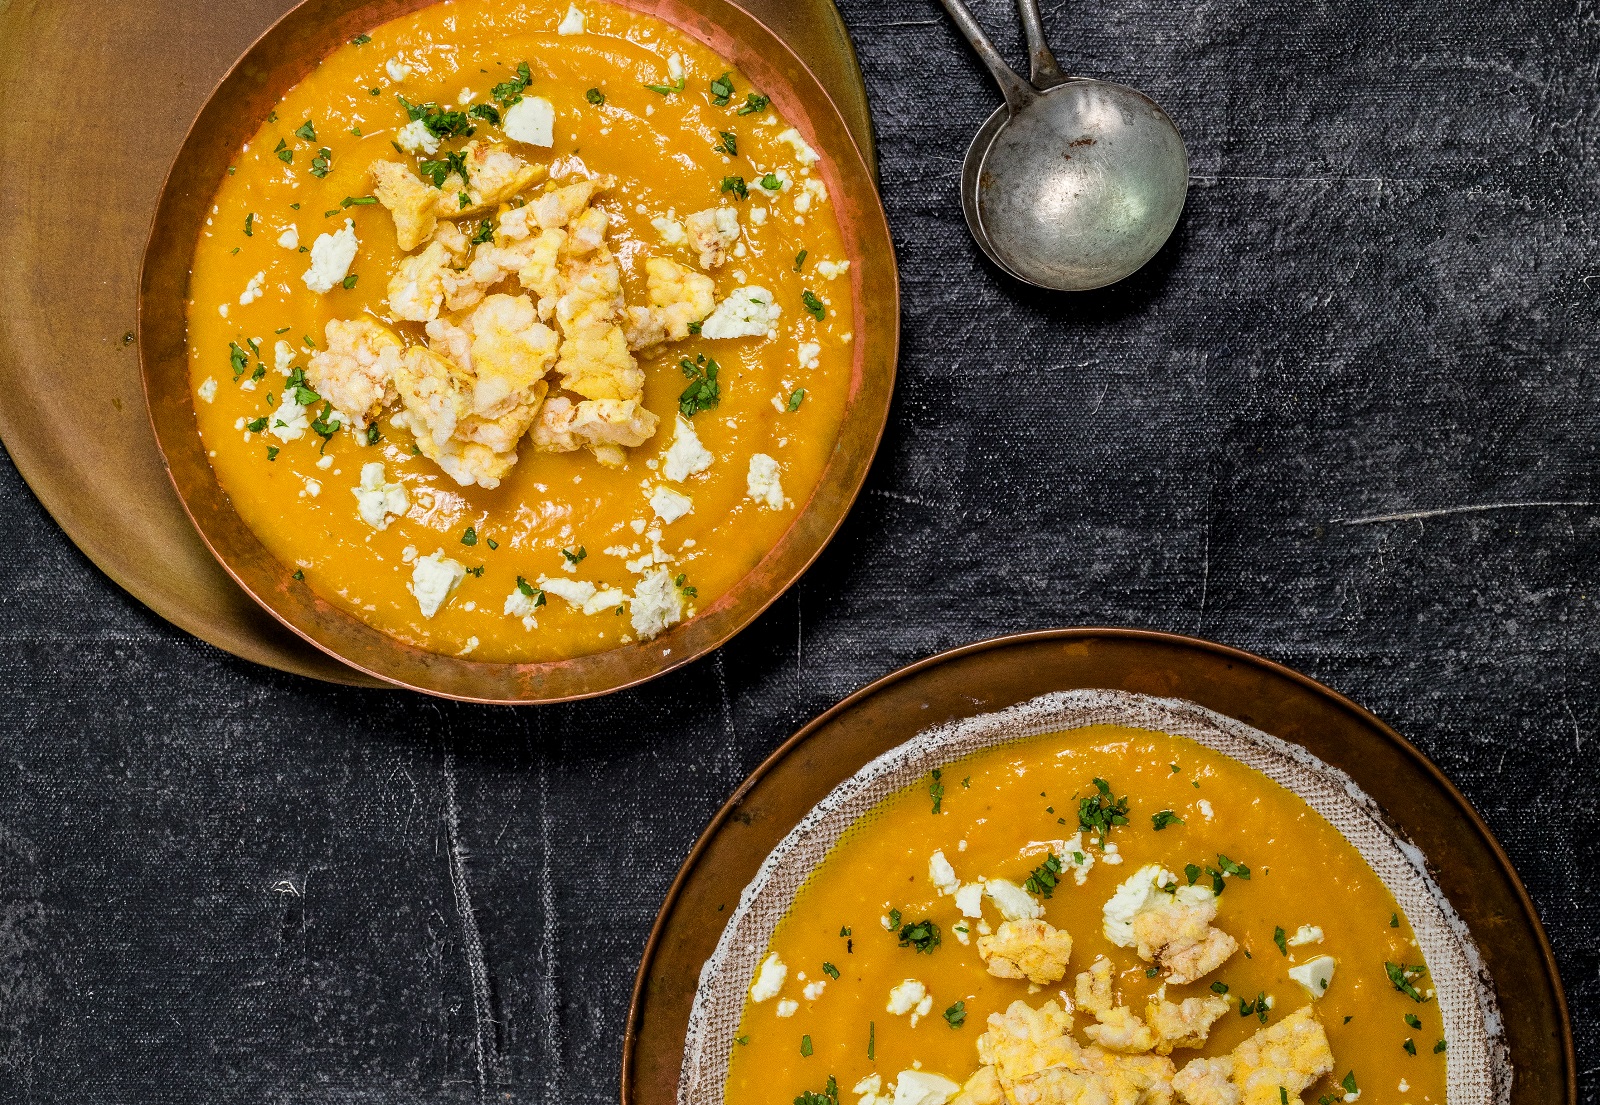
(222, 884)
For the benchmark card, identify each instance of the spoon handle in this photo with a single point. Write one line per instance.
(1016, 90)
(1044, 70)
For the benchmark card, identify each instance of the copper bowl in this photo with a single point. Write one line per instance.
(282, 57)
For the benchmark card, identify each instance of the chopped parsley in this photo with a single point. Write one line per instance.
(322, 163)
(770, 182)
(530, 591)
(805, 1046)
(238, 358)
(298, 574)
(1238, 870)
(357, 201)
(922, 935)
(1166, 817)
(285, 154)
(795, 399)
(667, 89)
(816, 310)
(595, 97)
(1404, 978)
(485, 111)
(372, 434)
(1099, 812)
(509, 92)
(736, 185)
(439, 171)
(894, 920)
(799, 258)
(1044, 877)
(272, 452)
(307, 131)
(956, 1015)
(830, 970)
(484, 233)
(741, 1040)
(256, 425)
(1349, 1082)
(350, 281)
(1410, 1045)
(1394, 920)
(440, 122)
(476, 572)
(828, 1096)
(703, 390)
(688, 592)
(936, 791)
(1438, 1047)
(722, 90)
(324, 426)
(1413, 1021)
(575, 557)
(872, 1041)
(493, 544)
(1279, 939)
(1219, 987)
(1191, 872)
(729, 144)
(753, 102)
(470, 537)
(844, 930)
(360, 40)
(249, 225)
(295, 387)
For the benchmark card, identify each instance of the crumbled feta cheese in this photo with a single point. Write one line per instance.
(762, 481)
(769, 978)
(787, 1008)
(288, 422)
(325, 462)
(809, 354)
(917, 1087)
(1314, 975)
(331, 258)
(222, 309)
(671, 231)
(208, 389)
(572, 23)
(283, 356)
(397, 69)
(904, 997)
(813, 990)
(758, 216)
(376, 497)
(817, 190)
(608, 599)
(1013, 902)
(802, 149)
(252, 290)
(670, 505)
(518, 605)
(746, 313)
(685, 456)
(1305, 934)
(313, 488)
(1136, 893)
(963, 932)
(575, 591)
(781, 181)
(1205, 809)
(531, 119)
(675, 66)
(433, 577)
(408, 554)
(290, 239)
(416, 138)
(942, 874)
(832, 270)
(802, 202)
(657, 604)
(969, 900)
(922, 1009)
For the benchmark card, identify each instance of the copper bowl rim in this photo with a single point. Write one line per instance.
(806, 102)
(1469, 813)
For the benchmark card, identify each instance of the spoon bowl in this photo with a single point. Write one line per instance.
(1079, 188)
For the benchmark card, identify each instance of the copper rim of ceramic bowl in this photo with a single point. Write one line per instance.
(1421, 802)
(282, 57)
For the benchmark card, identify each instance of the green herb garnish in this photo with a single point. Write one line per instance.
(816, 310)
(703, 390)
(1166, 817)
(922, 935)
(1042, 881)
(956, 1015)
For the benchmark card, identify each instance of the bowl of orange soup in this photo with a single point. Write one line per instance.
(1095, 897)
(518, 351)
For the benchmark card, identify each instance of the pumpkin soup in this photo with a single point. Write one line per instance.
(1105, 915)
(521, 330)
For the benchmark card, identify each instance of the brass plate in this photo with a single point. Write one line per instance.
(1467, 862)
(78, 208)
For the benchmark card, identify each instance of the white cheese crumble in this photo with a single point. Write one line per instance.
(814, 989)
(572, 23)
(290, 239)
(969, 900)
(608, 599)
(433, 577)
(531, 119)
(252, 290)
(762, 481)
(416, 138)
(685, 456)
(787, 1008)
(963, 932)
(904, 997)
(657, 604)
(942, 874)
(917, 1087)
(331, 258)
(1305, 934)
(208, 390)
(802, 149)
(397, 69)
(575, 591)
(283, 356)
(832, 270)
(1013, 902)
(288, 422)
(313, 488)
(769, 978)
(758, 216)
(377, 498)
(809, 354)
(670, 505)
(518, 605)
(675, 66)
(1205, 809)
(747, 313)
(671, 231)
(1314, 975)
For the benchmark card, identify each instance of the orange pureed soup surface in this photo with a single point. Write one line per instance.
(889, 979)
(560, 473)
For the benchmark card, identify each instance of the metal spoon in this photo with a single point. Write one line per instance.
(1072, 183)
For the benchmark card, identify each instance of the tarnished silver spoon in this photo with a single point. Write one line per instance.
(1072, 183)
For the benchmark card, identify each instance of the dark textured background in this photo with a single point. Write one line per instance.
(1347, 419)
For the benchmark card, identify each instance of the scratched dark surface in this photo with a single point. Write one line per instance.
(218, 883)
